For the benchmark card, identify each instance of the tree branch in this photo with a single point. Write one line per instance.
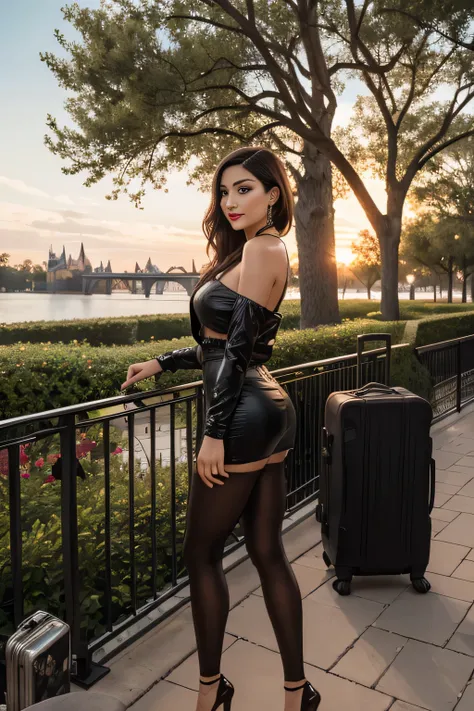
(207, 21)
(444, 145)
(426, 25)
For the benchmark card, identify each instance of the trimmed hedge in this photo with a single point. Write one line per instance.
(444, 328)
(128, 330)
(35, 378)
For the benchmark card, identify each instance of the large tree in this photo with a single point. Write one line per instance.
(298, 49)
(157, 85)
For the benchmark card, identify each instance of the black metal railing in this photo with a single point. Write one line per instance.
(451, 367)
(98, 542)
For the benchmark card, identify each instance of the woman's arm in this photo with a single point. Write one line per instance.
(181, 358)
(261, 261)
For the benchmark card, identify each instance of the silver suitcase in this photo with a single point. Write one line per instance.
(38, 661)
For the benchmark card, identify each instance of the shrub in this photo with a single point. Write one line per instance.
(127, 330)
(43, 586)
(443, 328)
(37, 378)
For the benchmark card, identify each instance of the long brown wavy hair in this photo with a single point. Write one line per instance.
(225, 242)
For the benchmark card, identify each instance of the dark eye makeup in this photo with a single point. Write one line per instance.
(241, 188)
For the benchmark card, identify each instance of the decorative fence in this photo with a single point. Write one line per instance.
(451, 366)
(93, 497)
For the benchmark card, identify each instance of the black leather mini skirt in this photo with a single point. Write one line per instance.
(264, 420)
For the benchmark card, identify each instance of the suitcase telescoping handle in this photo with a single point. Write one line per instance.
(365, 338)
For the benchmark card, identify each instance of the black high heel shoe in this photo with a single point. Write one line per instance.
(310, 699)
(225, 692)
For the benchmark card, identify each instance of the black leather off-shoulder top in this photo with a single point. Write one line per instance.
(213, 305)
(251, 331)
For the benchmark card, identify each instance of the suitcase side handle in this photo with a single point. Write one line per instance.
(432, 484)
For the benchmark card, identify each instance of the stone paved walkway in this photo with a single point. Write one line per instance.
(382, 647)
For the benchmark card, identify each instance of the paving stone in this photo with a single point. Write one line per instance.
(370, 656)
(412, 615)
(465, 570)
(467, 489)
(403, 706)
(444, 460)
(187, 673)
(379, 588)
(463, 504)
(460, 531)
(470, 555)
(451, 476)
(166, 696)
(465, 462)
(451, 587)
(313, 559)
(427, 676)
(443, 514)
(440, 498)
(444, 488)
(462, 470)
(257, 676)
(437, 526)
(328, 630)
(463, 445)
(445, 557)
(309, 579)
(463, 639)
(467, 700)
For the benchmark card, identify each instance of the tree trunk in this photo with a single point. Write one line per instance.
(434, 291)
(472, 287)
(464, 289)
(314, 220)
(368, 293)
(450, 280)
(389, 239)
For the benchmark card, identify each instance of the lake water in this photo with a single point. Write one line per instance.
(20, 307)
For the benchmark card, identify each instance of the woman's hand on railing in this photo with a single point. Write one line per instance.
(140, 371)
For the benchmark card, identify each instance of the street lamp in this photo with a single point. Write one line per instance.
(411, 281)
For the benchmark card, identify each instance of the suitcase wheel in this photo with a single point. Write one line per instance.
(421, 585)
(326, 559)
(343, 587)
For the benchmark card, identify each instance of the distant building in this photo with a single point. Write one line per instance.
(66, 274)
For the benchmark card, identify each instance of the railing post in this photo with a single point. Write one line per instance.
(15, 532)
(70, 542)
(458, 376)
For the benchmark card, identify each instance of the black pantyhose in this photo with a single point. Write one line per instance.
(258, 498)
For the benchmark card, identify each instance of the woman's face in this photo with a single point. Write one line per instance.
(244, 201)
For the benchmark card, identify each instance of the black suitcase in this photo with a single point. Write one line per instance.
(38, 660)
(377, 481)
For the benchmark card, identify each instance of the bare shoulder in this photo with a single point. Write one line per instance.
(263, 263)
(268, 251)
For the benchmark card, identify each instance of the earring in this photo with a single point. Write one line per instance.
(270, 215)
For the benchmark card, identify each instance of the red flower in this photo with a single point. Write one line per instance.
(24, 459)
(39, 462)
(117, 450)
(49, 479)
(52, 458)
(25, 475)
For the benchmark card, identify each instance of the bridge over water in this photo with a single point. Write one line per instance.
(89, 281)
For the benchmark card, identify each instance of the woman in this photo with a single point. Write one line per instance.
(250, 421)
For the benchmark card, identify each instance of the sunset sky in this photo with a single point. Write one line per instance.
(40, 206)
